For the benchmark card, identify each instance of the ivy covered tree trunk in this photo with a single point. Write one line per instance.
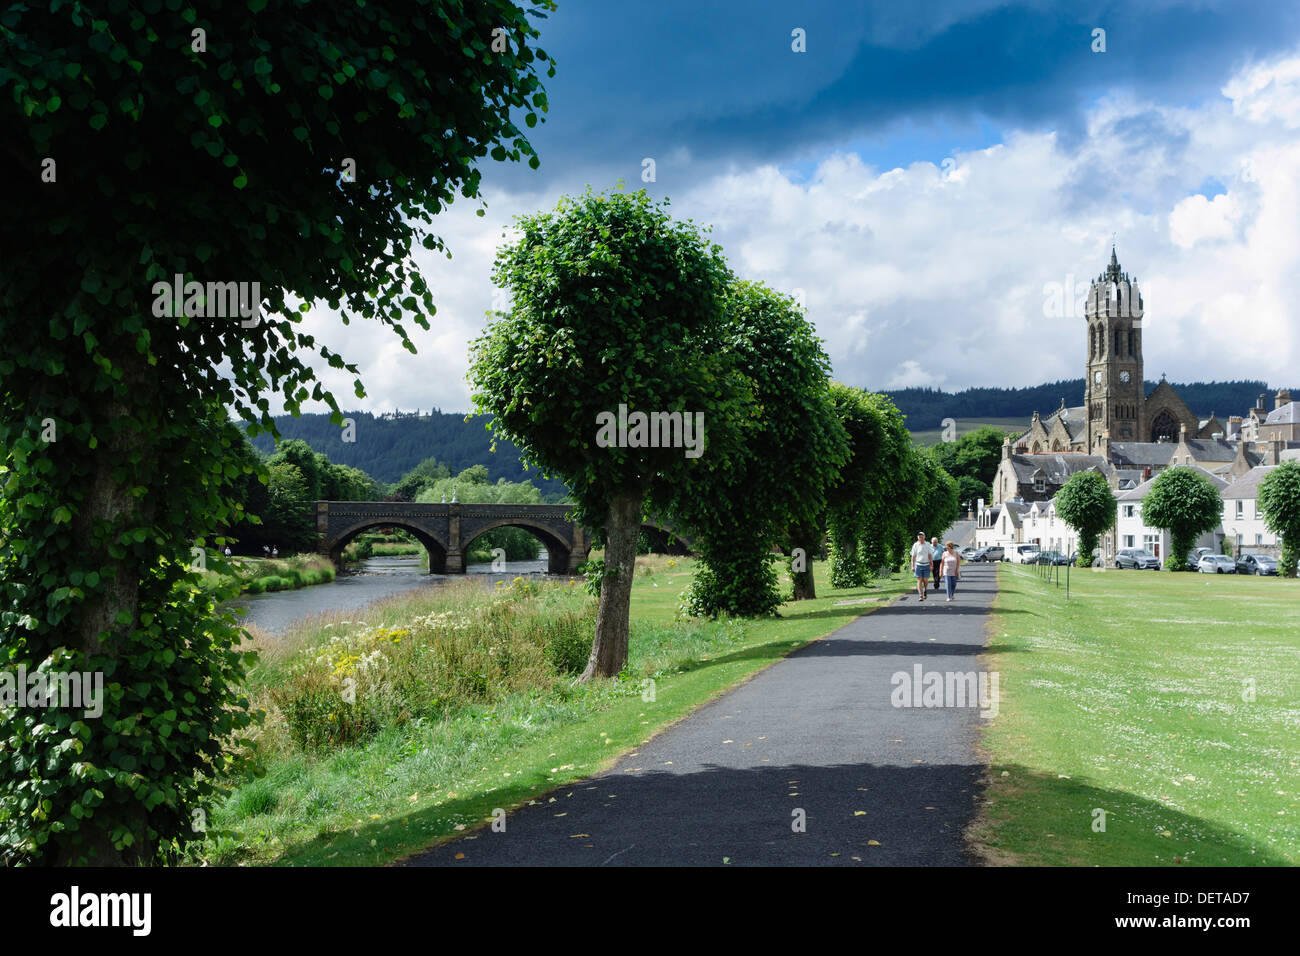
(609, 649)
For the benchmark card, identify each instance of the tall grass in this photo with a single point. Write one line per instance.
(336, 682)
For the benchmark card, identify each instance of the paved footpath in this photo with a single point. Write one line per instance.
(816, 732)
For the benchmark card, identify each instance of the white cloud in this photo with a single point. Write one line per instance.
(1197, 218)
(928, 275)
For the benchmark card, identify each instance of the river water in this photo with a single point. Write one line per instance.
(374, 578)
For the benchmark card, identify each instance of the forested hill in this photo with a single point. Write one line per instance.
(386, 448)
(926, 407)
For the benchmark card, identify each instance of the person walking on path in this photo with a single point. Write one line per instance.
(922, 556)
(936, 553)
(950, 565)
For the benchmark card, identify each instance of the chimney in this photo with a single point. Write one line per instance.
(1146, 473)
(1283, 397)
(1275, 451)
(1260, 405)
(1006, 448)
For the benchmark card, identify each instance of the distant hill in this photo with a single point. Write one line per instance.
(387, 447)
(925, 408)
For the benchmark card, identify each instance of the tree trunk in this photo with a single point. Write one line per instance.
(805, 588)
(609, 649)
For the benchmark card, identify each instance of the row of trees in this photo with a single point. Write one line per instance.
(615, 305)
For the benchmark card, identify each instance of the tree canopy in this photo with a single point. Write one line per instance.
(617, 312)
(1184, 502)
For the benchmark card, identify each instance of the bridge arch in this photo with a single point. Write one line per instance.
(670, 539)
(558, 551)
(437, 549)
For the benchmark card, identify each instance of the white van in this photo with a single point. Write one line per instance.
(1024, 554)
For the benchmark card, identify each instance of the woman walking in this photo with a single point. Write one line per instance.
(950, 565)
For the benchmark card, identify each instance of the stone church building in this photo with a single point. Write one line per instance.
(1122, 432)
(1115, 407)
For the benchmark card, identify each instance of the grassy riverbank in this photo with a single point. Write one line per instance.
(1163, 704)
(259, 575)
(470, 706)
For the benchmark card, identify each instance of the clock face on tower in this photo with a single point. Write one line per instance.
(1123, 377)
(1096, 378)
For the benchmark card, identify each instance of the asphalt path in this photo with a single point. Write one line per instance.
(810, 763)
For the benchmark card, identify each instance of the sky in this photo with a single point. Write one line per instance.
(930, 179)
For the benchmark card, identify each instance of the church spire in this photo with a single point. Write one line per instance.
(1112, 271)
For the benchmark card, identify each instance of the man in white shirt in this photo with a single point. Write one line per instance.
(922, 555)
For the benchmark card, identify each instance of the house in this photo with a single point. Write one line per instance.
(1243, 523)
(1131, 531)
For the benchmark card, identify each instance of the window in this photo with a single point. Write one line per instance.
(1040, 484)
(1128, 540)
(1151, 542)
(1259, 539)
(1128, 513)
(1241, 508)
(1238, 542)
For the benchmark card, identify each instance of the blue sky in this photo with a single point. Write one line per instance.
(923, 176)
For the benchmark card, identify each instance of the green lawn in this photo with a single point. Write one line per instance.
(1132, 699)
(420, 783)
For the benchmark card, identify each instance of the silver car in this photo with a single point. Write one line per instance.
(1216, 564)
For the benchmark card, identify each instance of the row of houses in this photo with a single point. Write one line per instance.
(1234, 468)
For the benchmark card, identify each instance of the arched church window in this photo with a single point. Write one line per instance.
(1164, 428)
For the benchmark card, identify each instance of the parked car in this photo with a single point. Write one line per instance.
(1256, 564)
(968, 554)
(1024, 554)
(1050, 557)
(1217, 564)
(994, 553)
(1136, 558)
(1194, 558)
(1064, 558)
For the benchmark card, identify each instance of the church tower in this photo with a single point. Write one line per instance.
(1114, 395)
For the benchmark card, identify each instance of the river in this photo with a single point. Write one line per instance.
(373, 579)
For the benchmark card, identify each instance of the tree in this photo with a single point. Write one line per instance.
(775, 490)
(933, 502)
(273, 160)
(1184, 502)
(979, 453)
(288, 520)
(617, 312)
(1279, 499)
(867, 497)
(409, 486)
(1086, 503)
(309, 463)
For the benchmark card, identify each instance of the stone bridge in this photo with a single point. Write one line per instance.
(447, 530)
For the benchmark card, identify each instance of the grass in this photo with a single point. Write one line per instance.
(258, 575)
(934, 434)
(410, 784)
(1132, 699)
